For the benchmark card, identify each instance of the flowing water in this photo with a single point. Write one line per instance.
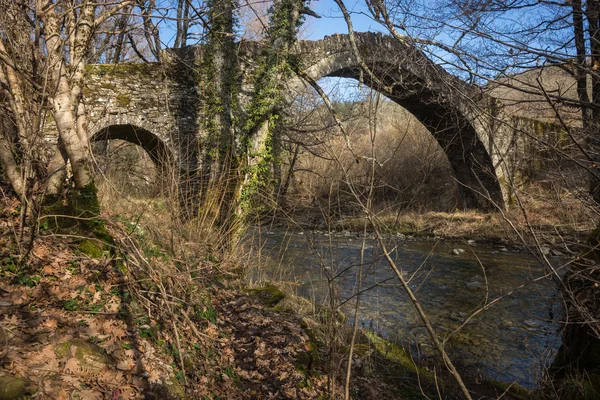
(511, 341)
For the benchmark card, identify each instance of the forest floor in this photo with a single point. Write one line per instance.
(78, 323)
(128, 319)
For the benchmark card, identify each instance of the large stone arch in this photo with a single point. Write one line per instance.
(447, 106)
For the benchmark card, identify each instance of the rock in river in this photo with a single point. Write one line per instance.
(474, 285)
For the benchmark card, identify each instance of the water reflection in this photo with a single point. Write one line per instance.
(511, 341)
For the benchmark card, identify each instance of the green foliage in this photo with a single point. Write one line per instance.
(71, 305)
(208, 313)
(260, 180)
(205, 311)
(229, 145)
(275, 64)
(9, 266)
(29, 281)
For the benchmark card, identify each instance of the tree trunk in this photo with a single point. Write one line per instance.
(10, 166)
(591, 13)
(69, 122)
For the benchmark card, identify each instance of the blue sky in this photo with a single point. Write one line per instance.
(332, 21)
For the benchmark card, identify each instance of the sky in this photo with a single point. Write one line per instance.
(332, 21)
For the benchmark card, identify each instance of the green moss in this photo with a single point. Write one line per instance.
(80, 208)
(78, 214)
(175, 389)
(123, 70)
(514, 390)
(88, 354)
(105, 84)
(55, 213)
(84, 202)
(13, 388)
(123, 100)
(121, 266)
(394, 353)
(91, 248)
(270, 295)
(307, 362)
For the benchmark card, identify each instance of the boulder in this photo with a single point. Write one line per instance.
(15, 387)
(89, 355)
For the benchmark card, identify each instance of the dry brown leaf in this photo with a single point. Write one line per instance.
(89, 395)
(72, 366)
(125, 365)
(49, 269)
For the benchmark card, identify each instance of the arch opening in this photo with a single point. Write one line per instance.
(158, 151)
(133, 159)
(455, 132)
(411, 171)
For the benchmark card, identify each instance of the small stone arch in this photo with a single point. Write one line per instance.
(159, 151)
(435, 97)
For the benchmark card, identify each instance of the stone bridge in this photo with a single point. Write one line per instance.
(158, 106)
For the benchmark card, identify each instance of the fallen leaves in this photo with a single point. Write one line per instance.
(236, 348)
(37, 321)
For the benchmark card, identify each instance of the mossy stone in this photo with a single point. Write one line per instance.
(84, 202)
(80, 207)
(175, 388)
(394, 353)
(174, 391)
(270, 295)
(513, 389)
(88, 354)
(78, 214)
(14, 387)
(122, 70)
(91, 248)
(123, 100)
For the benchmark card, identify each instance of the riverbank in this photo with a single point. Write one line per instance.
(134, 319)
(381, 369)
(128, 319)
(552, 209)
(509, 229)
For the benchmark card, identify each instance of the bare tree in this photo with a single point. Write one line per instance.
(49, 77)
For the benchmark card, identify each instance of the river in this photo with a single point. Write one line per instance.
(512, 341)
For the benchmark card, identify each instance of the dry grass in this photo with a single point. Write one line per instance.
(554, 216)
(410, 169)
